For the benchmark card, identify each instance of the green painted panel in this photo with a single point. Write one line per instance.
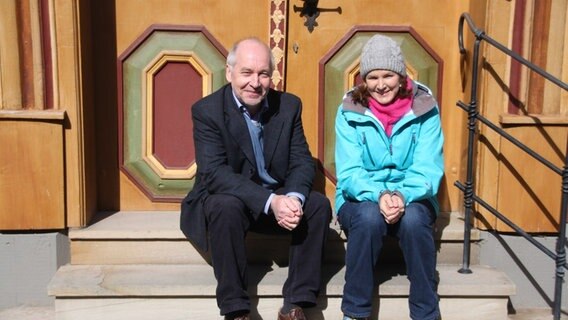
(133, 109)
(132, 113)
(157, 186)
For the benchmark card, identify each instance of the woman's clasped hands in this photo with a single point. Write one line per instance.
(391, 206)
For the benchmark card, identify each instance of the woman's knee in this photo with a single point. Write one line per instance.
(371, 217)
(365, 215)
(417, 216)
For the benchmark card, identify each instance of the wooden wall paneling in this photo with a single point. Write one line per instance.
(492, 102)
(46, 51)
(453, 118)
(228, 21)
(10, 92)
(539, 53)
(518, 35)
(68, 97)
(32, 184)
(530, 193)
(37, 56)
(564, 94)
(507, 178)
(88, 110)
(556, 48)
(132, 199)
(104, 57)
(26, 53)
(50, 53)
(526, 52)
(31, 58)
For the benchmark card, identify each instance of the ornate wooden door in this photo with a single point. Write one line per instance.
(169, 54)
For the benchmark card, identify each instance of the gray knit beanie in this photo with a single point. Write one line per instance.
(381, 52)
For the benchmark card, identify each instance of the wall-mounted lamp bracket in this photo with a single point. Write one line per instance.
(311, 11)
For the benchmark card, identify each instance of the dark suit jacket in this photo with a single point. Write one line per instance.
(225, 157)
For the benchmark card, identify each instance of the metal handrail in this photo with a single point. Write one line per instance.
(468, 187)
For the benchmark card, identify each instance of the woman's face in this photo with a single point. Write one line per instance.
(383, 85)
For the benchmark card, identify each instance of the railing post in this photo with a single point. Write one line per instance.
(561, 242)
(468, 188)
(472, 124)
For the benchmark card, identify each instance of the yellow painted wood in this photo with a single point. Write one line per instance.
(33, 114)
(535, 119)
(69, 95)
(10, 92)
(529, 193)
(37, 56)
(507, 178)
(556, 46)
(31, 175)
(491, 103)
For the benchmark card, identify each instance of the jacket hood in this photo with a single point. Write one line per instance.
(423, 101)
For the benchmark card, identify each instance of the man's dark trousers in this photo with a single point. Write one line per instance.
(229, 220)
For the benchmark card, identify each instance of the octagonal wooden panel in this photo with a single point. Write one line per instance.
(161, 75)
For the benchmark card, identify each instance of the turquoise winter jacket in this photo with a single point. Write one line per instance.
(368, 162)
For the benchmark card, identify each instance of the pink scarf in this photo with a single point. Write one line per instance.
(389, 114)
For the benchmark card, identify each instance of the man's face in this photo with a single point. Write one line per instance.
(250, 76)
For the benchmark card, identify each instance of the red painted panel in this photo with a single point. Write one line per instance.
(177, 85)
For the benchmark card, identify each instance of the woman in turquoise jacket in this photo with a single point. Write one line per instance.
(389, 164)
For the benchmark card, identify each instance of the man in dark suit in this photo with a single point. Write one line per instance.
(254, 172)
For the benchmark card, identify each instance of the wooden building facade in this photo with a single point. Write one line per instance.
(95, 95)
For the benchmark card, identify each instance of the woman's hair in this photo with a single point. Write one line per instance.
(361, 94)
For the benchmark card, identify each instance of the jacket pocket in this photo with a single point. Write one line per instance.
(368, 149)
(411, 141)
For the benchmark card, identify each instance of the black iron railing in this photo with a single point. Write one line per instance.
(468, 188)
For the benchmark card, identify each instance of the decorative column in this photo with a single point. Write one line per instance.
(277, 43)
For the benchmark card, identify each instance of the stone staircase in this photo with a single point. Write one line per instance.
(138, 265)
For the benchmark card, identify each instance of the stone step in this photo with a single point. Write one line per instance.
(170, 291)
(150, 237)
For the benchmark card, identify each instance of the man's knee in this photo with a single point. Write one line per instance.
(318, 204)
(319, 200)
(222, 206)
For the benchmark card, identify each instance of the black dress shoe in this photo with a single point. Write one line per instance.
(242, 316)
